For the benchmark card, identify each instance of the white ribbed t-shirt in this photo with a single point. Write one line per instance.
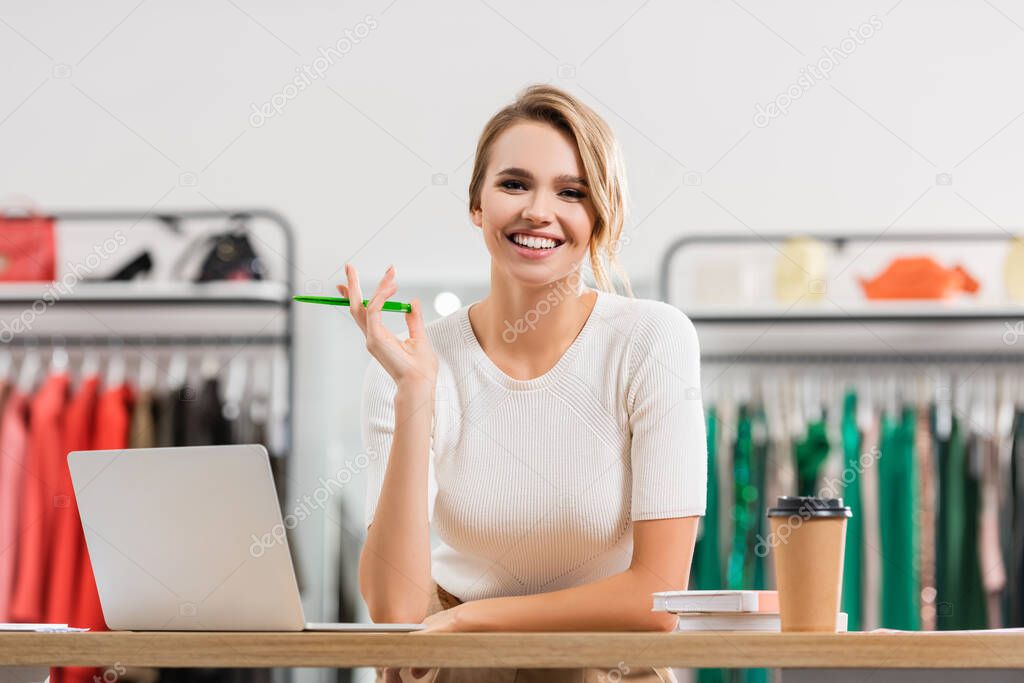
(534, 484)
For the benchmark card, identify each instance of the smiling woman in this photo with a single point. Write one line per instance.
(562, 466)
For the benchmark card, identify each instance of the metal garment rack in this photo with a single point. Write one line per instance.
(174, 219)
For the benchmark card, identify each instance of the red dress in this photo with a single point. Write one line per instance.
(67, 535)
(13, 448)
(42, 484)
(110, 432)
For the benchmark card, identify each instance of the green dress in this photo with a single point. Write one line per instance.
(745, 570)
(960, 603)
(750, 455)
(853, 562)
(754, 570)
(707, 569)
(739, 572)
(810, 454)
(759, 474)
(897, 499)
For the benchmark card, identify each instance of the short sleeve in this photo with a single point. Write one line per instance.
(668, 451)
(377, 424)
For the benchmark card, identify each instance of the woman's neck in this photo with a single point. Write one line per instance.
(526, 330)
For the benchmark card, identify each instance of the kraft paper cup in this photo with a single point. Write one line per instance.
(807, 543)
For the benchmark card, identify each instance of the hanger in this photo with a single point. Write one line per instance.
(961, 390)
(773, 407)
(234, 387)
(834, 395)
(59, 359)
(975, 406)
(147, 374)
(1004, 419)
(983, 409)
(277, 389)
(209, 367)
(30, 366)
(976, 424)
(922, 389)
(6, 364)
(989, 426)
(891, 398)
(902, 394)
(728, 407)
(943, 396)
(259, 403)
(810, 395)
(177, 370)
(115, 370)
(90, 363)
(759, 432)
(912, 386)
(262, 376)
(865, 403)
(797, 417)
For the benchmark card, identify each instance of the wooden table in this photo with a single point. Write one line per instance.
(998, 654)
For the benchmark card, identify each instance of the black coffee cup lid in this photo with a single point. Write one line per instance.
(809, 506)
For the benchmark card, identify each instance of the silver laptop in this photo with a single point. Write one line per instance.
(191, 539)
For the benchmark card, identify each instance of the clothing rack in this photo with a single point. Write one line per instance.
(835, 379)
(214, 316)
(212, 295)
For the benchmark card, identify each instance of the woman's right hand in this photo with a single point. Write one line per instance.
(411, 362)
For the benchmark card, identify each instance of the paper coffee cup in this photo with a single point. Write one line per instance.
(808, 538)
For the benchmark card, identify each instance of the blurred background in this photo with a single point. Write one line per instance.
(829, 189)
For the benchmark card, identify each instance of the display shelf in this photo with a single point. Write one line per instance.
(143, 292)
(829, 310)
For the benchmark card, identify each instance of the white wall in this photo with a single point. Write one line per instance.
(148, 104)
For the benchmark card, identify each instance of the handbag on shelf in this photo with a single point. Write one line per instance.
(229, 255)
(28, 249)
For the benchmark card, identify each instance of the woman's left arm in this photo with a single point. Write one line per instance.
(662, 552)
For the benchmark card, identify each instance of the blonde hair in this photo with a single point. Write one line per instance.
(602, 163)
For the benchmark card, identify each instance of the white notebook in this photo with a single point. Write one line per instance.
(755, 621)
(716, 601)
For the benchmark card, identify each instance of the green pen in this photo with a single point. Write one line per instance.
(396, 306)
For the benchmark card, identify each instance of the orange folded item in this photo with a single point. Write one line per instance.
(919, 277)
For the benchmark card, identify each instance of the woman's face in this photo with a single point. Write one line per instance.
(534, 191)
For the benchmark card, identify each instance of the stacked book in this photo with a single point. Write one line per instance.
(726, 610)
